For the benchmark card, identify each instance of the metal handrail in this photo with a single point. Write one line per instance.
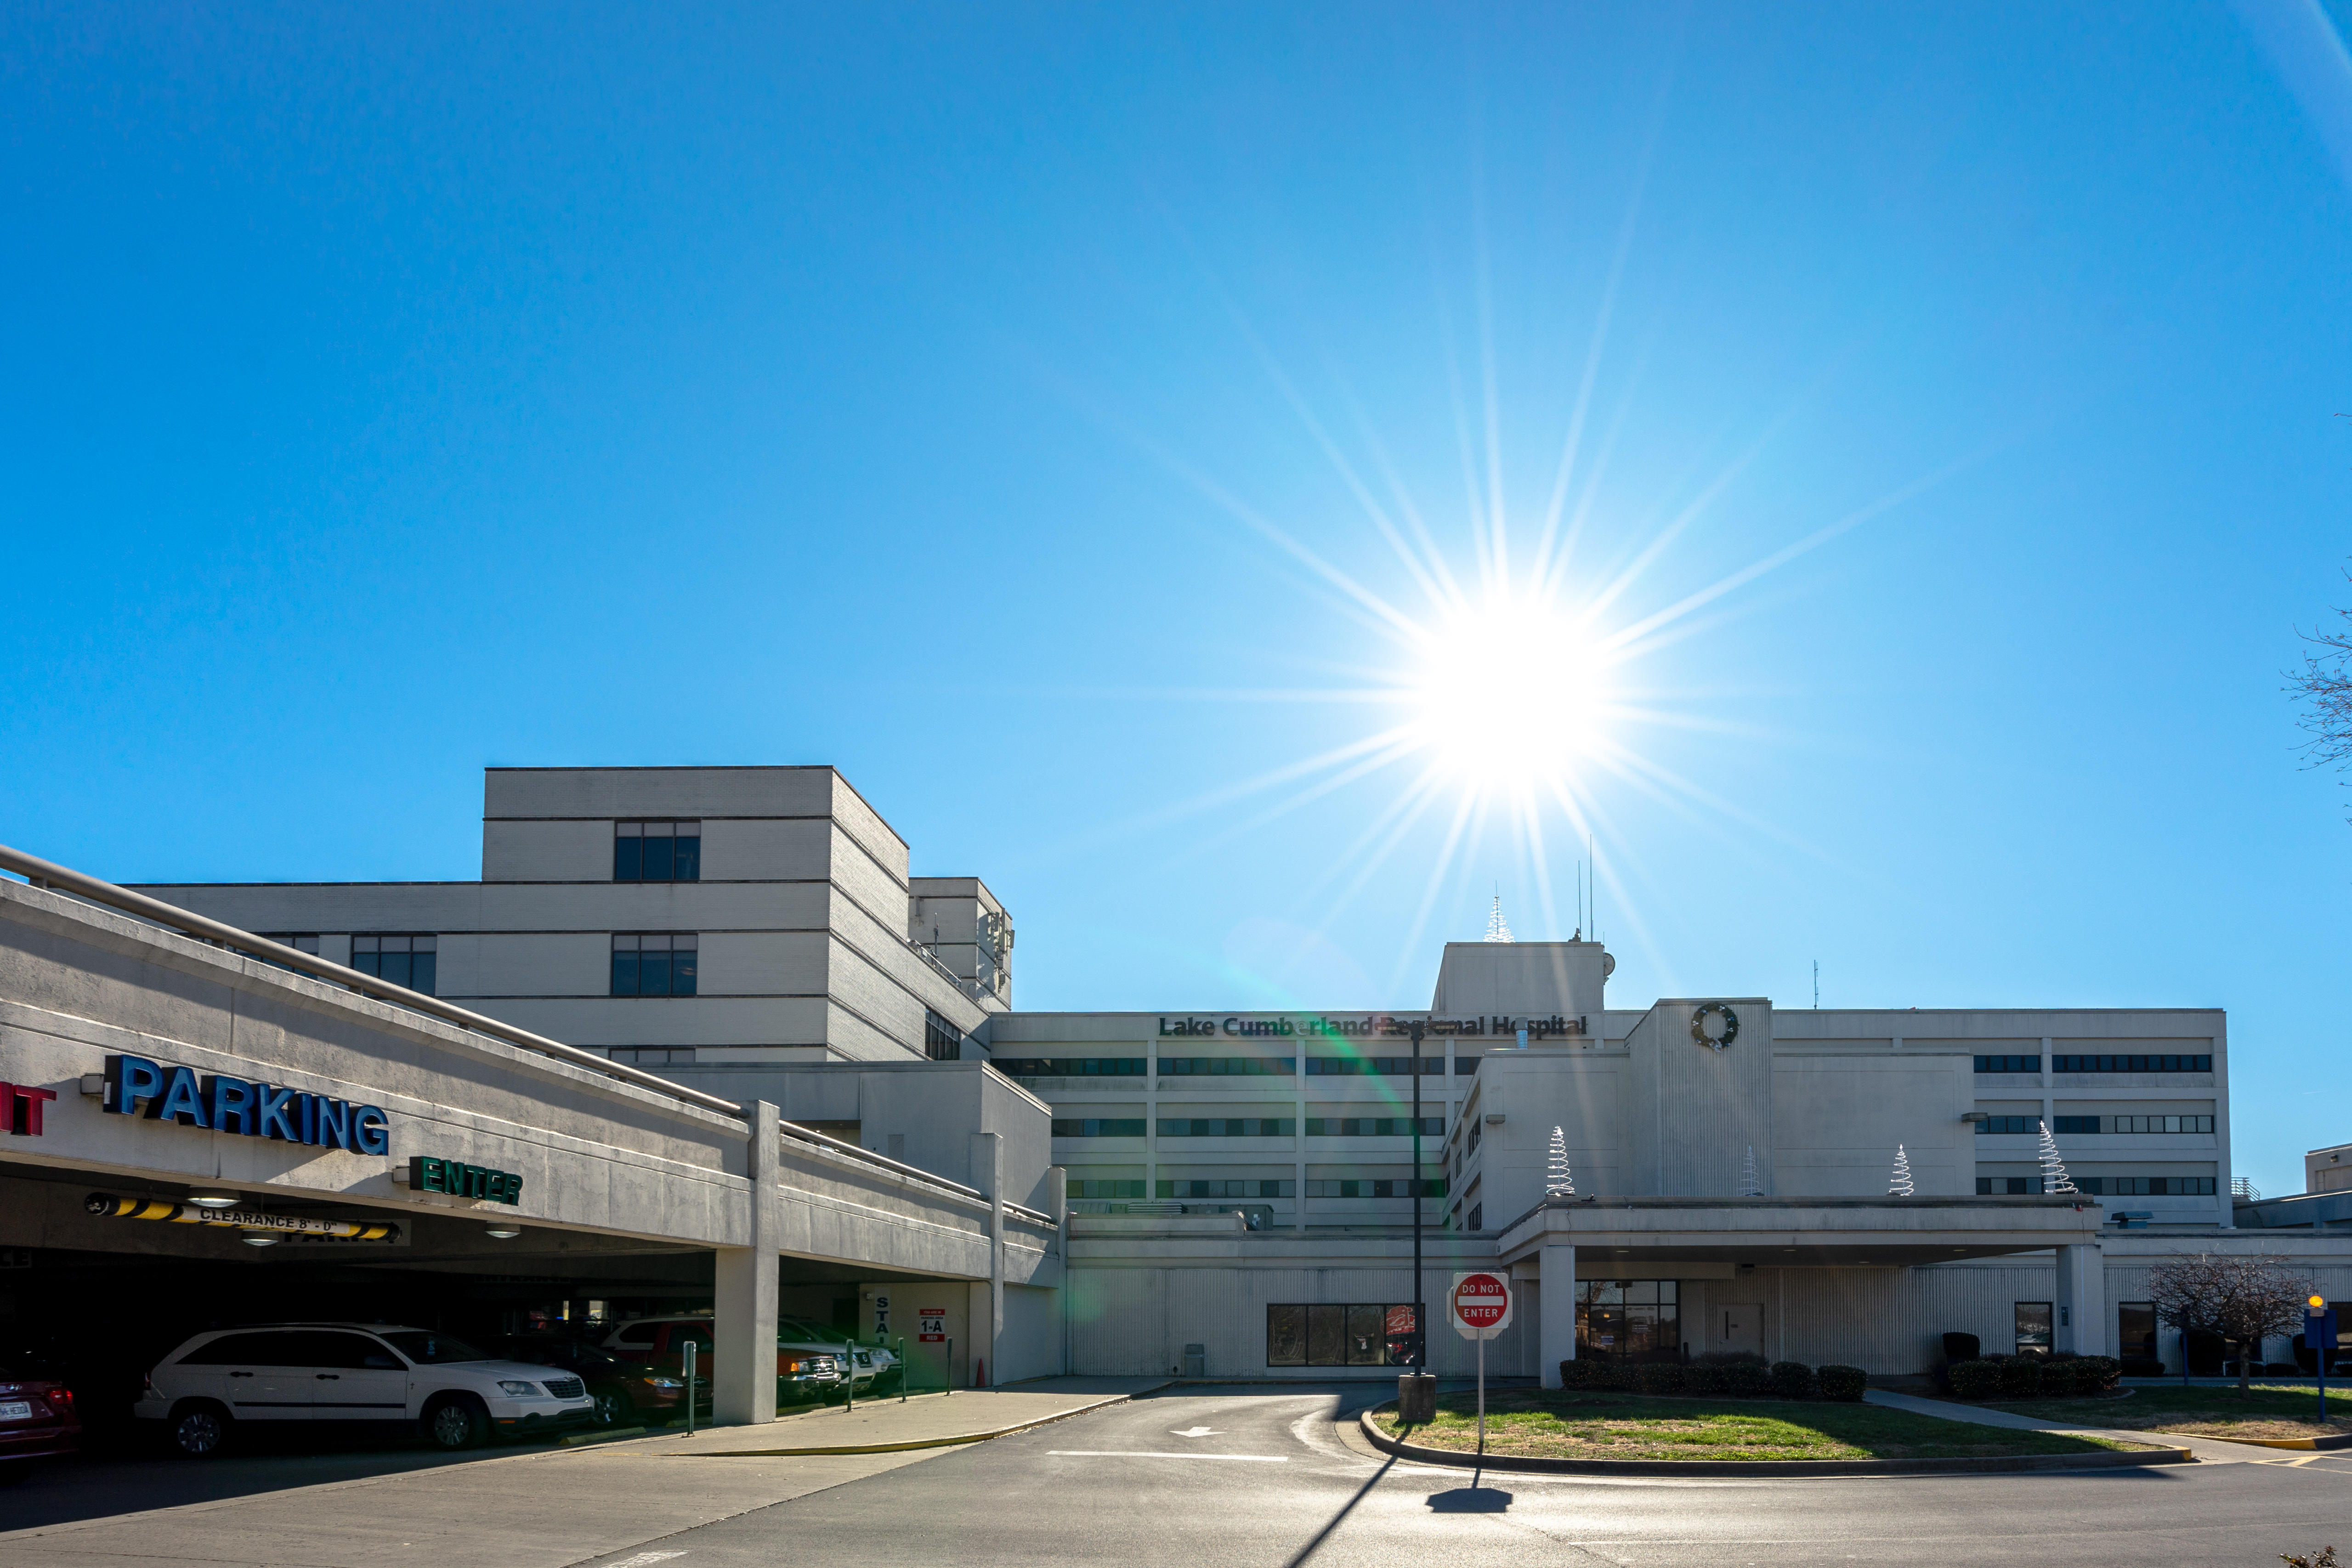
(50, 874)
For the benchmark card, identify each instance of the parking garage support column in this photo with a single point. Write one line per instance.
(743, 1327)
(2082, 1325)
(1555, 1310)
(988, 1299)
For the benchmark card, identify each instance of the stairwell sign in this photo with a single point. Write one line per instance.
(1480, 1305)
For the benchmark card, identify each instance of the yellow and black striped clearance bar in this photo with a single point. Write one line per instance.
(106, 1205)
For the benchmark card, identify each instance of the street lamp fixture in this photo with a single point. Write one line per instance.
(503, 1229)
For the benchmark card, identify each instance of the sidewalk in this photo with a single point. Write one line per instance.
(891, 1425)
(2209, 1450)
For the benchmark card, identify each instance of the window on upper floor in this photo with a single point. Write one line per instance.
(405, 959)
(1381, 1066)
(1227, 1126)
(1106, 1186)
(650, 850)
(654, 1055)
(942, 1042)
(1070, 1067)
(654, 963)
(1097, 1126)
(1228, 1066)
(2017, 1125)
(2009, 1064)
(1371, 1126)
(300, 941)
(2131, 1064)
(1257, 1188)
(1397, 1186)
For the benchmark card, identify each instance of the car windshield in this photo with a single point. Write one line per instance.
(432, 1349)
(559, 1353)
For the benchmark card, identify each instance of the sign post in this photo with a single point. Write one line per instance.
(2319, 1338)
(1480, 1306)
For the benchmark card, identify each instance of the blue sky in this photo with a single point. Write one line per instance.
(1005, 406)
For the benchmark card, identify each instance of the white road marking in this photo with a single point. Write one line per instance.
(646, 1558)
(1193, 1432)
(1145, 1454)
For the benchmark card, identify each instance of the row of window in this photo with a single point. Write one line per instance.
(2097, 1063)
(2098, 1124)
(646, 850)
(2103, 1186)
(1332, 1334)
(1246, 1126)
(1225, 1066)
(412, 961)
(1399, 1186)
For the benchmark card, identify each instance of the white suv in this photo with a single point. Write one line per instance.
(354, 1372)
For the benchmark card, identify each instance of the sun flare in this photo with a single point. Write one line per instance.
(1511, 694)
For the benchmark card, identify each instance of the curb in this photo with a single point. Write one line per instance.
(2338, 1440)
(581, 1440)
(948, 1442)
(1459, 1461)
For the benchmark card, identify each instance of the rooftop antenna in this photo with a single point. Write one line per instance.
(1580, 901)
(1817, 983)
(1498, 929)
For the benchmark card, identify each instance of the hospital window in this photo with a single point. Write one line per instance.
(1227, 1126)
(1228, 1066)
(2136, 1328)
(2016, 1124)
(654, 963)
(1629, 1320)
(1464, 1065)
(2009, 1064)
(405, 960)
(1097, 1126)
(1478, 1217)
(1324, 1333)
(657, 851)
(2200, 1064)
(654, 1055)
(302, 942)
(1069, 1066)
(1100, 1187)
(1226, 1190)
(2010, 1186)
(1371, 1126)
(2033, 1328)
(942, 1042)
(1362, 1066)
(1397, 1186)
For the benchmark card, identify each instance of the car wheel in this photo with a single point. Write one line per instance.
(612, 1409)
(199, 1431)
(457, 1422)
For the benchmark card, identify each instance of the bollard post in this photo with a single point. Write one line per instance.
(902, 1369)
(687, 1366)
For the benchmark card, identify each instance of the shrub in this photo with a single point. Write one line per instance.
(1731, 1358)
(1844, 1383)
(1659, 1377)
(1961, 1347)
(1575, 1374)
(2097, 1374)
(1791, 1379)
(2281, 1369)
(2205, 1350)
(1699, 1377)
(2021, 1376)
(1615, 1376)
(1976, 1379)
(2142, 1366)
(1744, 1379)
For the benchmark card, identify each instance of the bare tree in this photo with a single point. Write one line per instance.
(2325, 682)
(2245, 1299)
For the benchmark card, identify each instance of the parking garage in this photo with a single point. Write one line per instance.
(203, 1130)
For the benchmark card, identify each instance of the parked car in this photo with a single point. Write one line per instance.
(37, 1415)
(400, 1378)
(624, 1391)
(873, 1367)
(807, 1372)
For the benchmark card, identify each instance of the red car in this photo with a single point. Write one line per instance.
(36, 1417)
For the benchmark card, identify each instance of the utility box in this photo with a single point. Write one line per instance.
(1416, 1400)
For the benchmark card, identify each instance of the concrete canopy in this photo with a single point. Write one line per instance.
(1644, 1231)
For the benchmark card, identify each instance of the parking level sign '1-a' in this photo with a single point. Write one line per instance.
(933, 1321)
(1479, 1304)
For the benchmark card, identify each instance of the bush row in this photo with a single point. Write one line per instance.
(2033, 1376)
(1742, 1378)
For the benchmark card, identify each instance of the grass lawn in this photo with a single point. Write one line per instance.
(2267, 1410)
(1531, 1423)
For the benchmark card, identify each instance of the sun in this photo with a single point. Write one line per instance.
(1511, 692)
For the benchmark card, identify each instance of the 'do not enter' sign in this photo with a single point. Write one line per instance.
(1479, 1304)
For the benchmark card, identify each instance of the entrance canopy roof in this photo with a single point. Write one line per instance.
(1644, 1231)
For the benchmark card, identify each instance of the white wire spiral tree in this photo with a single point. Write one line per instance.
(1498, 929)
(1899, 1184)
(2054, 1169)
(1750, 1183)
(1558, 1182)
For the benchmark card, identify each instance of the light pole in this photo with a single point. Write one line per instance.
(1420, 1317)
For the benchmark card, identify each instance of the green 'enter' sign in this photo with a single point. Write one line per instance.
(428, 1174)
